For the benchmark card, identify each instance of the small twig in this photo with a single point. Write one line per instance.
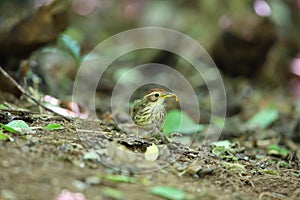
(17, 110)
(25, 93)
(263, 195)
(86, 131)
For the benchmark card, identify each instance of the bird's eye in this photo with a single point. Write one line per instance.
(156, 95)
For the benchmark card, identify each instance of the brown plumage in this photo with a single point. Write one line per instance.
(149, 112)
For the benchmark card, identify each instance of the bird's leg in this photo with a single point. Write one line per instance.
(165, 138)
(137, 132)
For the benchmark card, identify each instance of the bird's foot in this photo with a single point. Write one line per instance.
(165, 138)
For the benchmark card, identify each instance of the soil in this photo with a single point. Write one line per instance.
(46, 164)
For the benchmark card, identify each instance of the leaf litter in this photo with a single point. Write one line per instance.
(93, 148)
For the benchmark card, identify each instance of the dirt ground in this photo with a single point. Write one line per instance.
(44, 164)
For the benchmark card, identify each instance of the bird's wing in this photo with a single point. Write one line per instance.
(134, 107)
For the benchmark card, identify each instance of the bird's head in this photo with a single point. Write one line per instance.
(158, 96)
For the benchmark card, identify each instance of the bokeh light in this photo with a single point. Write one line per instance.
(262, 8)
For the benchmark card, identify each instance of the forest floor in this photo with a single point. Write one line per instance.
(92, 159)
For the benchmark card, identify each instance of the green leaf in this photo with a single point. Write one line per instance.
(121, 178)
(224, 143)
(4, 136)
(53, 127)
(222, 151)
(284, 164)
(281, 14)
(235, 167)
(9, 129)
(177, 121)
(263, 118)
(274, 149)
(2, 106)
(113, 193)
(270, 172)
(169, 193)
(18, 126)
(70, 45)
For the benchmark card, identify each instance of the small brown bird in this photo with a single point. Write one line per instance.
(149, 112)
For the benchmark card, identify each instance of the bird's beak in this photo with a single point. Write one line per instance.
(169, 95)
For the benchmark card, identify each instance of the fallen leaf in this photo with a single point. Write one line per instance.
(120, 178)
(18, 126)
(152, 153)
(112, 193)
(53, 127)
(179, 122)
(264, 118)
(169, 193)
(4, 136)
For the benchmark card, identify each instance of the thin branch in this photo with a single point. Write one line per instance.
(26, 94)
